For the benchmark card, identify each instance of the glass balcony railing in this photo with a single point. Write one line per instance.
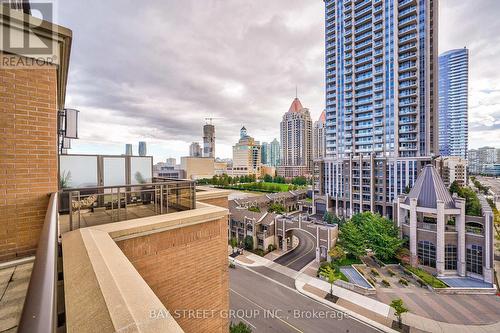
(102, 189)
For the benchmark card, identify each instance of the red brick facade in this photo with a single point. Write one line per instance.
(187, 268)
(28, 156)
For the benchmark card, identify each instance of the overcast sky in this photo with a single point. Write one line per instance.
(152, 71)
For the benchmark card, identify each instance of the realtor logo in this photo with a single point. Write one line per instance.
(24, 41)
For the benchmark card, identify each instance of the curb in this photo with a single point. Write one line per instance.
(299, 285)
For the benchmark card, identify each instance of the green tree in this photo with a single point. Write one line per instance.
(276, 208)
(248, 243)
(454, 187)
(239, 328)
(234, 243)
(381, 235)
(337, 253)
(351, 239)
(301, 181)
(268, 179)
(329, 273)
(399, 309)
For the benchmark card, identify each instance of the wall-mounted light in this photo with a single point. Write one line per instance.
(71, 123)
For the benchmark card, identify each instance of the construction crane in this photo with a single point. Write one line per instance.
(209, 119)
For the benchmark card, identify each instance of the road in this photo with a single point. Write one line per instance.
(269, 306)
(303, 254)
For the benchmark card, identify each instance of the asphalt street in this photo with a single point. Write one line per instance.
(303, 254)
(269, 306)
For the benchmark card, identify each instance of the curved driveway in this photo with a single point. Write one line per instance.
(303, 254)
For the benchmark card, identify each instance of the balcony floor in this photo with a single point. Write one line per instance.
(90, 218)
(14, 283)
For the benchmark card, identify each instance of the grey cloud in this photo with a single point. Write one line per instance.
(161, 67)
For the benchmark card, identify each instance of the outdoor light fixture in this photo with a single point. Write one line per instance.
(71, 123)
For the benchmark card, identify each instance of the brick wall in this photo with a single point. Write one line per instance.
(187, 268)
(221, 202)
(28, 156)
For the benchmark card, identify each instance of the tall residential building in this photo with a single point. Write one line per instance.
(195, 150)
(142, 148)
(453, 102)
(246, 156)
(209, 140)
(128, 149)
(274, 153)
(271, 153)
(265, 150)
(479, 158)
(381, 100)
(296, 141)
(319, 139)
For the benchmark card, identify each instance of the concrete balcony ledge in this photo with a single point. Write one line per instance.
(104, 292)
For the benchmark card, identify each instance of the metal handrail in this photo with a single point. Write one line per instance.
(40, 306)
(161, 181)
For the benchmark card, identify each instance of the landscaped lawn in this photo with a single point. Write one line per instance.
(426, 277)
(347, 261)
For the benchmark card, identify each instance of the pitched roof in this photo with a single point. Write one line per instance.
(322, 117)
(296, 106)
(429, 188)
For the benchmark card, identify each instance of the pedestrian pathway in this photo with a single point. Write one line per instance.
(367, 309)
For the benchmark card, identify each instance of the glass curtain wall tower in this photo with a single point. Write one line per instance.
(453, 102)
(381, 100)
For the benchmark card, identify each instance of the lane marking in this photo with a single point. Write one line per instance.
(348, 316)
(312, 248)
(250, 301)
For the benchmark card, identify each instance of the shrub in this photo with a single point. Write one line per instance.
(232, 265)
(259, 252)
(239, 328)
(391, 272)
(371, 281)
(374, 272)
(386, 283)
(403, 281)
(248, 243)
(426, 278)
(270, 248)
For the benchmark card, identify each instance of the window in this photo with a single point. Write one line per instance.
(474, 259)
(427, 253)
(450, 257)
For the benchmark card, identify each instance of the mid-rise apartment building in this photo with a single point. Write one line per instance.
(452, 169)
(381, 100)
(479, 158)
(454, 102)
(246, 156)
(296, 141)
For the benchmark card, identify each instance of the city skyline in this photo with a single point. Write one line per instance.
(125, 95)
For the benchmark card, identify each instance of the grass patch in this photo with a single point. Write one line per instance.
(347, 261)
(426, 277)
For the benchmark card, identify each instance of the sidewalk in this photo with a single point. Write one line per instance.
(366, 309)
